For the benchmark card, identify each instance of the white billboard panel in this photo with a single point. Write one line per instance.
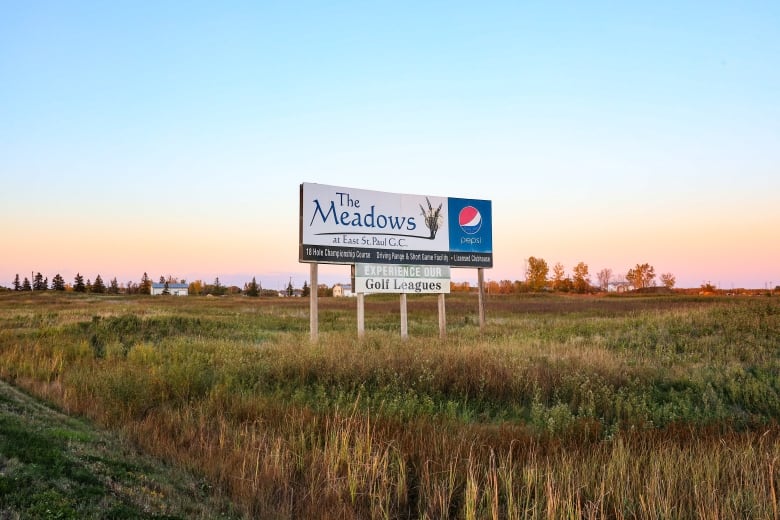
(392, 278)
(347, 225)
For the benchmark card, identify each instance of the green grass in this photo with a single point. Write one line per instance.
(53, 466)
(545, 413)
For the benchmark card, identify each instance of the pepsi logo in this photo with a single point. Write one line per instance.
(470, 220)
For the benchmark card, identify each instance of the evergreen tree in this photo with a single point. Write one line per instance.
(146, 285)
(26, 285)
(290, 289)
(98, 287)
(166, 290)
(17, 284)
(78, 284)
(253, 289)
(305, 291)
(217, 288)
(89, 285)
(38, 284)
(113, 288)
(58, 283)
(45, 283)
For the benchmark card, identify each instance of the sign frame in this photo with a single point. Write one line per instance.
(339, 225)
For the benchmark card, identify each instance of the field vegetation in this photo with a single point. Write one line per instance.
(565, 406)
(55, 466)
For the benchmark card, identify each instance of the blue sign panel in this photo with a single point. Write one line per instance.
(470, 225)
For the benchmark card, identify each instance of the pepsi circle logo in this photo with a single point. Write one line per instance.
(470, 220)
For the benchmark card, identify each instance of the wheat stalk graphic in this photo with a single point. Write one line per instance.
(432, 218)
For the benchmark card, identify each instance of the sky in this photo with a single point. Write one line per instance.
(171, 137)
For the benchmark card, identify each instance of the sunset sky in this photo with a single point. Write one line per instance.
(171, 137)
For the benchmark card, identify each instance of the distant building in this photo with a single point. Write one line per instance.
(620, 287)
(174, 289)
(297, 293)
(342, 289)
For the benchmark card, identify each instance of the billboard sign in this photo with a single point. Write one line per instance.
(347, 226)
(395, 278)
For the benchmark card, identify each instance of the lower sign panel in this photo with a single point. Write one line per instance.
(411, 279)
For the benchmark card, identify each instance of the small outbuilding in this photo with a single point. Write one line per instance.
(174, 289)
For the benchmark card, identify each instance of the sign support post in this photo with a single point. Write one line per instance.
(313, 293)
(481, 291)
(404, 322)
(361, 314)
(442, 318)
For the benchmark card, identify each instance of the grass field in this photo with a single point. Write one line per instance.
(55, 466)
(585, 407)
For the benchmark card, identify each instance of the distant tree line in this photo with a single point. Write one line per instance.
(143, 286)
(540, 278)
(58, 283)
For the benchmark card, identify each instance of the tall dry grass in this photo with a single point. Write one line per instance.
(559, 410)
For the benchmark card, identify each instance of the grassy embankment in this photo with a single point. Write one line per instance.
(589, 407)
(55, 466)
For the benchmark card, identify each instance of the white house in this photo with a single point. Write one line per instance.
(342, 289)
(174, 289)
(620, 287)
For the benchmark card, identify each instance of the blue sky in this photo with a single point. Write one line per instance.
(171, 137)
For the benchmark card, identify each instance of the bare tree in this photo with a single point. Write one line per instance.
(668, 280)
(604, 277)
